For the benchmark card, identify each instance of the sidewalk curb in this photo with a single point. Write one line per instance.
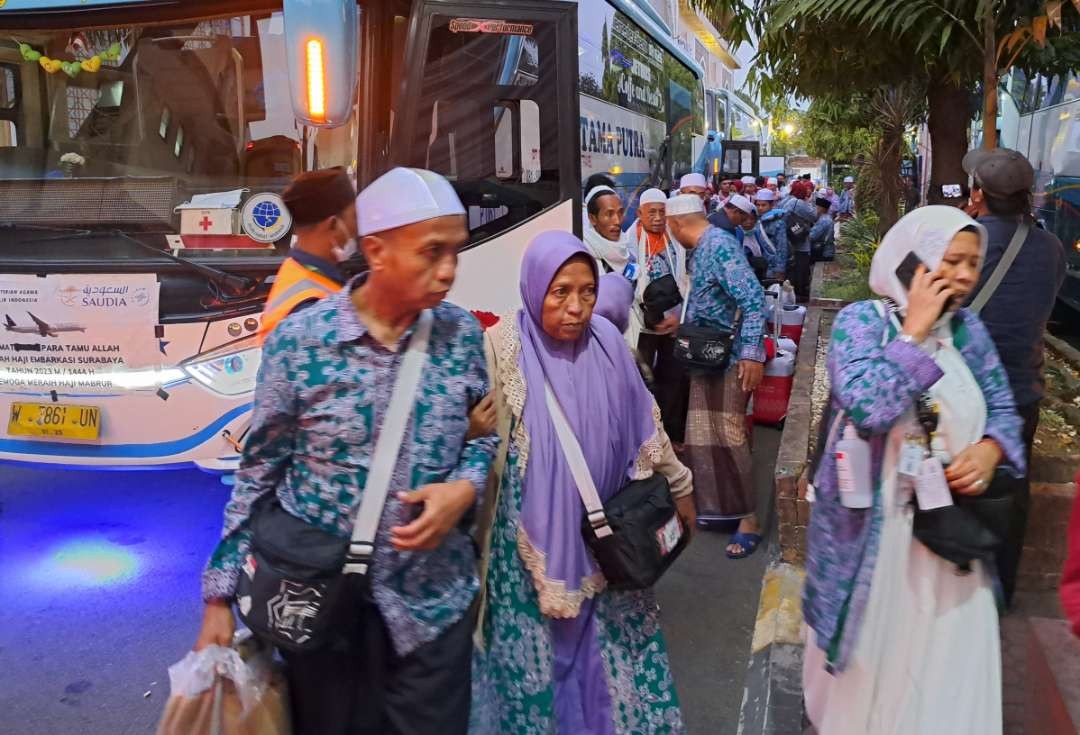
(772, 694)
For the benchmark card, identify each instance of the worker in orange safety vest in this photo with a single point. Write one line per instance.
(323, 208)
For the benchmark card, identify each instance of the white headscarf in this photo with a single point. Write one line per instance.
(615, 254)
(927, 232)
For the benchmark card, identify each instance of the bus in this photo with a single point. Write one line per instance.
(144, 146)
(1040, 117)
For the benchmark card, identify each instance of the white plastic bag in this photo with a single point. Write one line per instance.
(195, 673)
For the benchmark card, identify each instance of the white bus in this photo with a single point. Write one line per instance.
(1040, 118)
(143, 146)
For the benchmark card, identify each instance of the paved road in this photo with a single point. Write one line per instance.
(99, 577)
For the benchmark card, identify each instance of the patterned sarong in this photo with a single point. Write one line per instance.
(717, 447)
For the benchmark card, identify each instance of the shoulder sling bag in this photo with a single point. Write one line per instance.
(704, 349)
(637, 535)
(293, 576)
(1003, 266)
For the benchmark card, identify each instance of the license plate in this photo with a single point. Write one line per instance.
(54, 419)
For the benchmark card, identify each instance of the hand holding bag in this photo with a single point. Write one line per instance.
(294, 576)
(637, 535)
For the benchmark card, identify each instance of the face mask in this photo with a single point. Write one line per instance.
(346, 251)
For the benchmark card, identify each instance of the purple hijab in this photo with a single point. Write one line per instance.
(601, 392)
(614, 297)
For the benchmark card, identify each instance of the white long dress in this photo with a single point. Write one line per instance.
(927, 660)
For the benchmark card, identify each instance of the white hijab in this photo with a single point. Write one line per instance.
(614, 253)
(926, 231)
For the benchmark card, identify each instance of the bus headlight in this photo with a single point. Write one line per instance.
(229, 374)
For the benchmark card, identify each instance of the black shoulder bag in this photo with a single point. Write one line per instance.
(705, 349)
(637, 535)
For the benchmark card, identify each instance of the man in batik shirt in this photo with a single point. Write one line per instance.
(398, 660)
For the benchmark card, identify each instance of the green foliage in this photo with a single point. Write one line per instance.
(855, 248)
(859, 239)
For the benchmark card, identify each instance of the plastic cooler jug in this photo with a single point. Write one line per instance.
(773, 393)
(791, 322)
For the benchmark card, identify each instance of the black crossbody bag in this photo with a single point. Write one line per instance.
(637, 534)
(295, 576)
(705, 349)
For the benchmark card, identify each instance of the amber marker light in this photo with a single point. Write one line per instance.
(316, 81)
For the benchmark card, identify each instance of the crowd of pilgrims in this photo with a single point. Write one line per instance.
(476, 594)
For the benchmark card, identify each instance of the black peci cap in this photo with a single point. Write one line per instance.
(315, 195)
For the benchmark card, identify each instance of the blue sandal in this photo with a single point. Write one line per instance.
(748, 541)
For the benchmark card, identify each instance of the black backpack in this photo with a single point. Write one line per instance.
(798, 224)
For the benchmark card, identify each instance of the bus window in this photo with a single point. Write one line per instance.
(505, 164)
(165, 112)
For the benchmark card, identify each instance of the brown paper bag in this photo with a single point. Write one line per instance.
(218, 711)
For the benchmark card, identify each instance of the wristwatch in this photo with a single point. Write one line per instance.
(909, 339)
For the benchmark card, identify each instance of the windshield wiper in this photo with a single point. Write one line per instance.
(231, 284)
(10, 225)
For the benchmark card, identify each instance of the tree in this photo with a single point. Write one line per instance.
(838, 47)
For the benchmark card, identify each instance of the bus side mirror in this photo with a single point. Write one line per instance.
(320, 41)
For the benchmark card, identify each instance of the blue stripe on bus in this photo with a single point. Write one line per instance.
(158, 449)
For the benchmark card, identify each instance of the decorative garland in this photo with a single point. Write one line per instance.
(71, 68)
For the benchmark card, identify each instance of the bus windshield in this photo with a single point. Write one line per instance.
(115, 128)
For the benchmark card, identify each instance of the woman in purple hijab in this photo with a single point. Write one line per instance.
(558, 652)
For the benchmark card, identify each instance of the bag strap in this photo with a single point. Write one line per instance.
(594, 508)
(886, 309)
(768, 240)
(1003, 266)
(387, 448)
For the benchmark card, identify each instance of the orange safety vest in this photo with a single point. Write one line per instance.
(293, 285)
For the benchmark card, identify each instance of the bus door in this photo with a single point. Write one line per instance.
(489, 100)
(739, 158)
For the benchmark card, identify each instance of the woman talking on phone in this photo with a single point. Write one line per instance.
(901, 639)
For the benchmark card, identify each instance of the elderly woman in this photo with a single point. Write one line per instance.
(560, 652)
(899, 641)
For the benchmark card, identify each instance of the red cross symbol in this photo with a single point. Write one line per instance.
(205, 223)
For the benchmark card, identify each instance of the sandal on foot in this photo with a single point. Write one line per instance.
(748, 541)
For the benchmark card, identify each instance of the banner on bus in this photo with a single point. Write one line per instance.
(76, 331)
(616, 141)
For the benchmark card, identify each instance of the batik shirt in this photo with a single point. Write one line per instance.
(774, 224)
(847, 202)
(821, 234)
(323, 390)
(722, 282)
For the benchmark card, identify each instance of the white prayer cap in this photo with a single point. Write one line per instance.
(693, 179)
(404, 196)
(652, 196)
(765, 195)
(597, 191)
(748, 180)
(772, 180)
(681, 204)
(849, 179)
(740, 202)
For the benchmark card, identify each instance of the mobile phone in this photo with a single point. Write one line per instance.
(906, 270)
(952, 191)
